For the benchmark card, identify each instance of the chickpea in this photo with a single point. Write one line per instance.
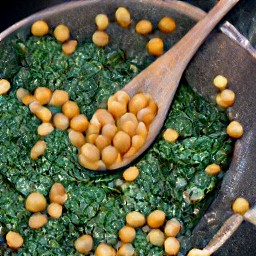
(101, 21)
(91, 152)
(84, 244)
(59, 97)
(58, 194)
(93, 129)
(21, 93)
(144, 27)
(79, 123)
(142, 130)
(26, 100)
(127, 234)
(123, 17)
(91, 138)
(155, 46)
(70, 109)
(69, 47)
(156, 219)
(131, 173)
(219, 101)
(35, 202)
(100, 38)
(122, 96)
(170, 135)
(109, 131)
(137, 102)
(131, 152)
(92, 133)
(61, 33)
(35, 106)
(116, 108)
(167, 24)
(125, 250)
(227, 97)
(105, 250)
(39, 28)
(152, 106)
(198, 252)
(86, 163)
(44, 114)
(119, 158)
(101, 142)
(135, 219)
(172, 228)
(146, 116)
(101, 165)
(60, 121)
(45, 129)
(235, 130)
(128, 123)
(213, 169)
(14, 240)
(102, 117)
(109, 155)
(55, 210)
(240, 205)
(156, 237)
(37, 220)
(77, 139)
(137, 142)
(43, 95)
(122, 141)
(38, 149)
(171, 246)
(220, 82)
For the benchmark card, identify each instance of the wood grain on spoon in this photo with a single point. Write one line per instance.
(162, 77)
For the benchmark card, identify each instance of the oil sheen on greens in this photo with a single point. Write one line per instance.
(172, 176)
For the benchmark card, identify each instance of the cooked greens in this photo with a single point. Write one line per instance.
(172, 176)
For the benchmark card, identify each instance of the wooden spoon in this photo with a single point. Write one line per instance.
(162, 77)
(225, 232)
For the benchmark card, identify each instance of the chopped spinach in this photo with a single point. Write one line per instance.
(172, 176)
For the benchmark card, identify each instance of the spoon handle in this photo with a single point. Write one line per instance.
(185, 49)
(225, 232)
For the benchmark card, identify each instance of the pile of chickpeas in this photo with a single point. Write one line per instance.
(70, 116)
(225, 99)
(116, 134)
(159, 233)
(61, 33)
(113, 135)
(155, 45)
(36, 203)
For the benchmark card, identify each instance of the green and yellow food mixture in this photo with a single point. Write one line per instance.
(172, 180)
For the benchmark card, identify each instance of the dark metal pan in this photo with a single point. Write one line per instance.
(218, 55)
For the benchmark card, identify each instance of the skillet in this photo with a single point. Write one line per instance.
(219, 55)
